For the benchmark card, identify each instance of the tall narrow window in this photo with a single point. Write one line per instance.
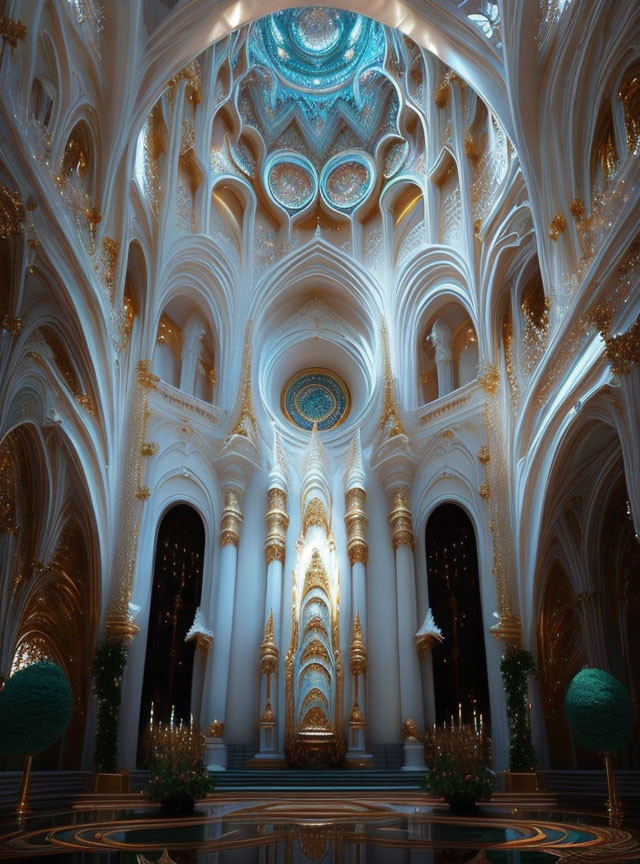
(459, 663)
(177, 585)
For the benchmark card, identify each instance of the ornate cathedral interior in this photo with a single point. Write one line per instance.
(320, 431)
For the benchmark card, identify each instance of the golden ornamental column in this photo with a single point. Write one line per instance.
(355, 519)
(277, 522)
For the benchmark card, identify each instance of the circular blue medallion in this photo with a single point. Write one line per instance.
(316, 396)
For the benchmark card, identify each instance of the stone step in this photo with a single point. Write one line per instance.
(282, 779)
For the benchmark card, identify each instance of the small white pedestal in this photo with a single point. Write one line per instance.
(414, 756)
(215, 754)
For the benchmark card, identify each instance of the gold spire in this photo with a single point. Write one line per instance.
(358, 652)
(246, 424)
(390, 422)
(268, 649)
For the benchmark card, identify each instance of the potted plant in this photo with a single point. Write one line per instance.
(108, 667)
(459, 756)
(600, 715)
(177, 776)
(516, 667)
(35, 707)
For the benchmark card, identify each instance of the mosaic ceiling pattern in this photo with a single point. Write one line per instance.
(319, 93)
(316, 396)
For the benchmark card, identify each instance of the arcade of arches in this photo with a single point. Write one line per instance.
(319, 356)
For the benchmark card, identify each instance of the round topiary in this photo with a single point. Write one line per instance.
(35, 707)
(599, 711)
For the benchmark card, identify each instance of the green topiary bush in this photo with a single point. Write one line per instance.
(599, 711)
(35, 708)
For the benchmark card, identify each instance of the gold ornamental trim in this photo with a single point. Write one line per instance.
(509, 630)
(315, 513)
(410, 730)
(121, 629)
(355, 520)
(231, 519)
(390, 423)
(400, 519)
(277, 520)
(216, 729)
(358, 651)
(268, 649)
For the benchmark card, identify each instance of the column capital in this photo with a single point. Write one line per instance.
(394, 463)
(236, 462)
(355, 520)
(231, 517)
(277, 520)
(400, 518)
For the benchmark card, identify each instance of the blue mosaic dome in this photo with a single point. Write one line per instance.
(316, 396)
(318, 49)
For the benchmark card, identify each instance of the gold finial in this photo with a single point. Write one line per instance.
(316, 575)
(246, 424)
(410, 730)
(358, 652)
(216, 729)
(268, 649)
(390, 422)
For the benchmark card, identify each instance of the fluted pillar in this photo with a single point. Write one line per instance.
(189, 359)
(237, 462)
(230, 525)
(411, 704)
(274, 550)
(355, 519)
(440, 338)
(401, 524)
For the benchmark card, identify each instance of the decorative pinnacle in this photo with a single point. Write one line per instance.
(354, 475)
(246, 424)
(278, 472)
(315, 451)
(390, 422)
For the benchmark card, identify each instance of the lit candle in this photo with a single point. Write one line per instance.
(475, 719)
(173, 715)
(151, 716)
(481, 724)
(459, 713)
(452, 722)
(191, 724)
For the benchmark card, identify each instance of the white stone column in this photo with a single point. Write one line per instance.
(238, 460)
(356, 524)
(395, 466)
(189, 359)
(440, 338)
(277, 521)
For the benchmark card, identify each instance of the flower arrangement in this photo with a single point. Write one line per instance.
(459, 756)
(177, 775)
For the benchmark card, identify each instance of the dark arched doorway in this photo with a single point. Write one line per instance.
(175, 596)
(459, 663)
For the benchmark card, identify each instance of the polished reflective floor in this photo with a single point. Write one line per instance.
(328, 828)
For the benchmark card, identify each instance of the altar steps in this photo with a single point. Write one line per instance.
(286, 780)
